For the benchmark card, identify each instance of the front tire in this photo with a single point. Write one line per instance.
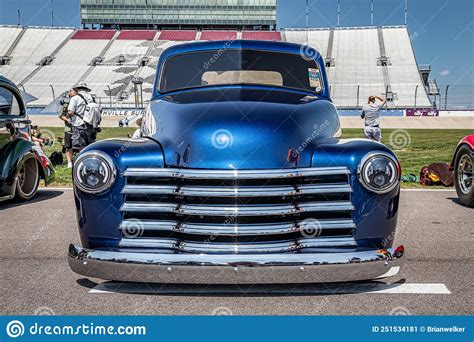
(463, 176)
(28, 180)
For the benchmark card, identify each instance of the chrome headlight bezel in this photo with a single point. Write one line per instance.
(107, 163)
(392, 163)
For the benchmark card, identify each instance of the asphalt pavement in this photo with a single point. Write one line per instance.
(438, 278)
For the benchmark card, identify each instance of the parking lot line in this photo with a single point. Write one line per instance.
(292, 289)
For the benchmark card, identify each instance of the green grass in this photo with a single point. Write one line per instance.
(414, 147)
(425, 146)
(63, 174)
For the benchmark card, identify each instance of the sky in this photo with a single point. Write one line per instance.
(442, 31)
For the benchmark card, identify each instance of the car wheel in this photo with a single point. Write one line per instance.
(28, 180)
(464, 176)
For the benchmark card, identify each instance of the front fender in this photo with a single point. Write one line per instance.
(375, 215)
(13, 154)
(466, 141)
(99, 215)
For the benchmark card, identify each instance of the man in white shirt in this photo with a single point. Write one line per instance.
(81, 132)
(371, 116)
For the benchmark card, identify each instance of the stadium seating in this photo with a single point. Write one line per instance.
(35, 44)
(8, 34)
(355, 53)
(136, 35)
(91, 34)
(187, 35)
(69, 66)
(261, 35)
(126, 51)
(317, 39)
(403, 71)
(108, 60)
(219, 35)
(104, 76)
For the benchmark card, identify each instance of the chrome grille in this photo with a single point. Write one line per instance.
(238, 211)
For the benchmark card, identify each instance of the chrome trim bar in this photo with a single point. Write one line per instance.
(229, 248)
(149, 243)
(243, 210)
(236, 229)
(234, 174)
(130, 189)
(229, 210)
(144, 207)
(247, 191)
(132, 266)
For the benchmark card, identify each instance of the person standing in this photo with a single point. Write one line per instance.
(81, 132)
(63, 115)
(370, 113)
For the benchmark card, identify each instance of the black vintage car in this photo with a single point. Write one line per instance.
(22, 163)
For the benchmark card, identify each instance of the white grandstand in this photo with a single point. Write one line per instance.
(360, 61)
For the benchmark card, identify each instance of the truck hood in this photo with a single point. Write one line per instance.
(240, 128)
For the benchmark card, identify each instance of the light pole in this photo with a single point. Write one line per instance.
(137, 82)
(416, 93)
(52, 13)
(307, 14)
(110, 96)
(18, 12)
(358, 92)
(52, 88)
(406, 12)
(445, 98)
(338, 13)
(371, 12)
(307, 22)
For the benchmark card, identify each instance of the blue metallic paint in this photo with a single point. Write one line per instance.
(259, 132)
(262, 132)
(374, 215)
(98, 215)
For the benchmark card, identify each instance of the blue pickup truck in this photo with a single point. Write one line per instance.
(240, 176)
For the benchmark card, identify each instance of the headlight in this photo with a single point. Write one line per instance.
(94, 172)
(379, 172)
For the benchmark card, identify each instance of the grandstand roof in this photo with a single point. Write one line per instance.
(179, 13)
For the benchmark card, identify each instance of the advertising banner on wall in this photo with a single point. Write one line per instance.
(122, 112)
(421, 112)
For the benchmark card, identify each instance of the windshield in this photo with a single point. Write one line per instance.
(229, 67)
(8, 103)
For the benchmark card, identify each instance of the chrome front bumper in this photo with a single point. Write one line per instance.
(122, 265)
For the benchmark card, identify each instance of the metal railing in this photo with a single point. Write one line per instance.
(455, 97)
(448, 97)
